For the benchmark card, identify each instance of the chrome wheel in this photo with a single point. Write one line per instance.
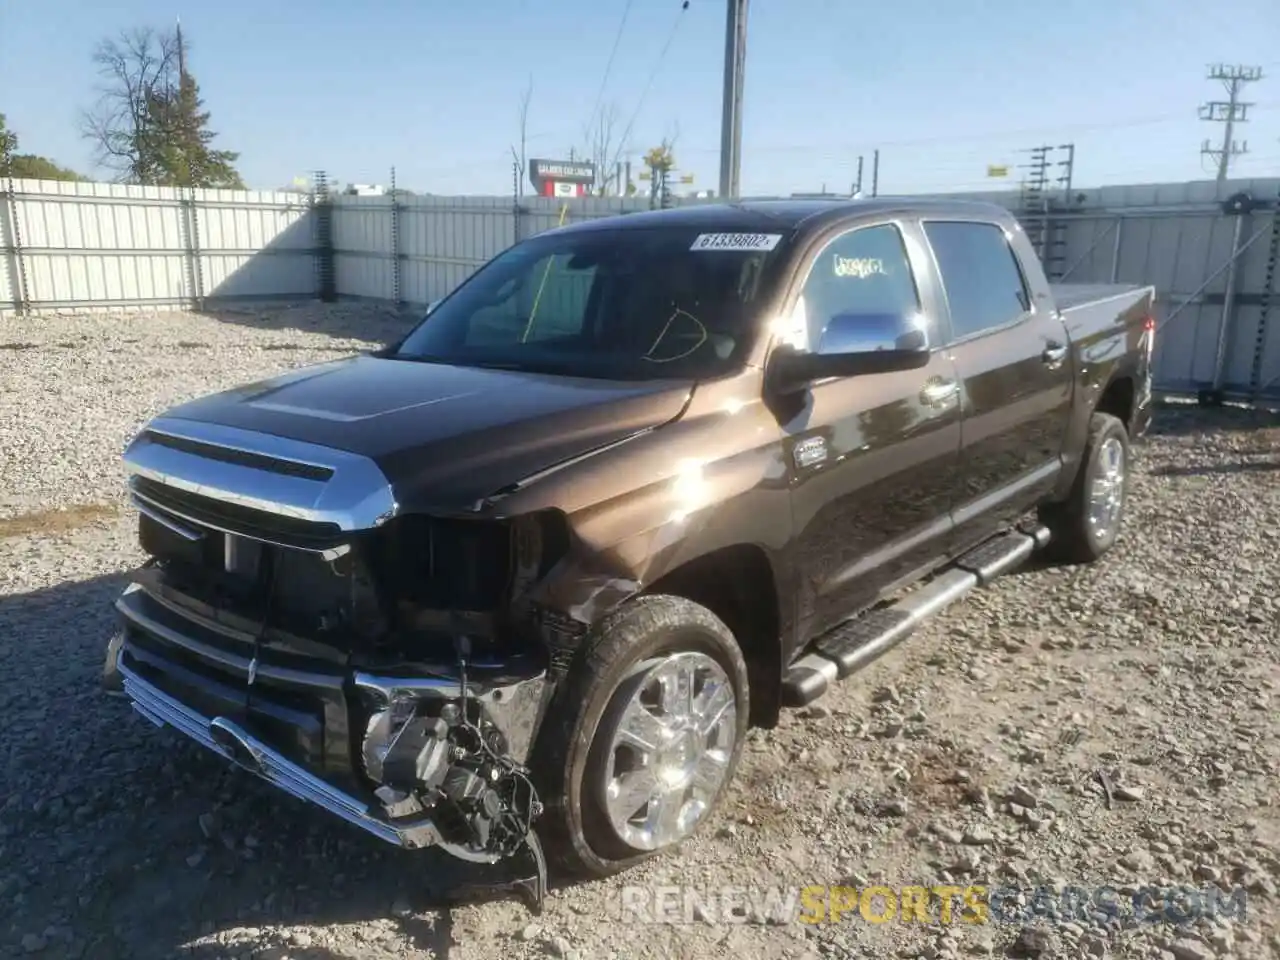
(1106, 491)
(669, 749)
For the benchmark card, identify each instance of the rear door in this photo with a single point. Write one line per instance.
(1011, 353)
(874, 458)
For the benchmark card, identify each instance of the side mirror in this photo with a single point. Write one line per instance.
(854, 344)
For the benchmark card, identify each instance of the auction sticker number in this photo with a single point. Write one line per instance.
(736, 241)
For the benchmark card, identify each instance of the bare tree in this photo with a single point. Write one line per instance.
(522, 158)
(605, 147)
(136, 68)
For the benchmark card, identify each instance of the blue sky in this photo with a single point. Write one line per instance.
(433, 86)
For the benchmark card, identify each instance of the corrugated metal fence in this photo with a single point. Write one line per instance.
(1214, 262)
(434, 243)
(78, 245)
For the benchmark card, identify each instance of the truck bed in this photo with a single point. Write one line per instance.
(1073, 296)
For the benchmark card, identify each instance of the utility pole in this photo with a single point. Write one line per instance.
(735, 54)
(1228, 112)
(182, 53)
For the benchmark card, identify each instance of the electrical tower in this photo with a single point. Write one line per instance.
(1228, 112)
(1040, 200)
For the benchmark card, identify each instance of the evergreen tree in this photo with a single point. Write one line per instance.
(179, 143)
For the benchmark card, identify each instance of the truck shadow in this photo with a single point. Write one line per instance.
(118, 839)
(1185, 419)
(378, 323)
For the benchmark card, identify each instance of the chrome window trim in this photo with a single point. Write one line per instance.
(357, 497)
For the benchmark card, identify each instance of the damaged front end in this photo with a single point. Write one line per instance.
(390, 668)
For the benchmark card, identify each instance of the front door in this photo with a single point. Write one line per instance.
(1013, 359)
(874, 458)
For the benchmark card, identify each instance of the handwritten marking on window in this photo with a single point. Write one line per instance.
(859, 267)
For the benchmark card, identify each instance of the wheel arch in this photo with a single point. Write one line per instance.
(739, 584)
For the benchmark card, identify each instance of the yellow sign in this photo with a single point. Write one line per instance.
(994, 170)
(687, 178)
(644, 176)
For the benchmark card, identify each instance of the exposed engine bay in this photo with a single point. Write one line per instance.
(431, 620)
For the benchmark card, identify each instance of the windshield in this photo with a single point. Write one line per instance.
(640, 303)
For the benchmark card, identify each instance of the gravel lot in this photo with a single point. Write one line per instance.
(1158, 666)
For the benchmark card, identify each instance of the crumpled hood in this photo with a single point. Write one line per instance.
(444, 436)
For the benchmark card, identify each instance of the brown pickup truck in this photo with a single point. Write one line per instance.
(523, 579)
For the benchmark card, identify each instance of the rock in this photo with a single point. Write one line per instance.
(1031, 942)
(1205, 871)
(977, 836)
(1023, 797)
(887, 694)
(945, 833)
(982, 944)
(529, 932)
(1137, 860)
(1263, 887)
(1187, 949)
(1132, 794)
(816, 711)
(559, 947)
(1094, 946)
(401, 908)
(1220, 940)
(897, 807)
(33, 943)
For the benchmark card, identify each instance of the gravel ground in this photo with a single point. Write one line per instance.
(969, 755)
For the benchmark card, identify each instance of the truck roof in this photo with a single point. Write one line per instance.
(760, 216)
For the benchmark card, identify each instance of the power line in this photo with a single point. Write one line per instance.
(1228, 112)
(662, 56)
(844, 147)
(608, 67)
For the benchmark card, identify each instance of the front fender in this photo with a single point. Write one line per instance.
(715, 478)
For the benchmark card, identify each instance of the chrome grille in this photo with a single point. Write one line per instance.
(274, 489)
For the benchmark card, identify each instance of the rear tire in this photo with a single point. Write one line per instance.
(1086, 525)
(589, 759)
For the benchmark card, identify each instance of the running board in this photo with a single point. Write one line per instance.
(856, 643)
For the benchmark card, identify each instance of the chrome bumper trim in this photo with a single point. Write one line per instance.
(231, 741)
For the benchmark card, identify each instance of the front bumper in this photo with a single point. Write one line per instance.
(230, 740)
(295, 724)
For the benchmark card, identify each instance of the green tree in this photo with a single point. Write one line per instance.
(149, 123)
(27, 166)
(183, 143)
(8, 144)
(660, 160)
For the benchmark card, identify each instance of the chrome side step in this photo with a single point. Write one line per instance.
(856, 643)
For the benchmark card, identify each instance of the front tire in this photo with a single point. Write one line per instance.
(1087, 524)
(643, 737)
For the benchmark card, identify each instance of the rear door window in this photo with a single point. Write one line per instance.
(984, 285)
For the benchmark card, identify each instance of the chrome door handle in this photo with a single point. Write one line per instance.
(1054, 354)
(937, 392)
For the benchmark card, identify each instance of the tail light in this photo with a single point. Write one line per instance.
(1149, 334)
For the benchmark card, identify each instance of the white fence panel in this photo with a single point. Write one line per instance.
(88, 245)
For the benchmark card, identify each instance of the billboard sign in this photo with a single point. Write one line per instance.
(562, 178)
